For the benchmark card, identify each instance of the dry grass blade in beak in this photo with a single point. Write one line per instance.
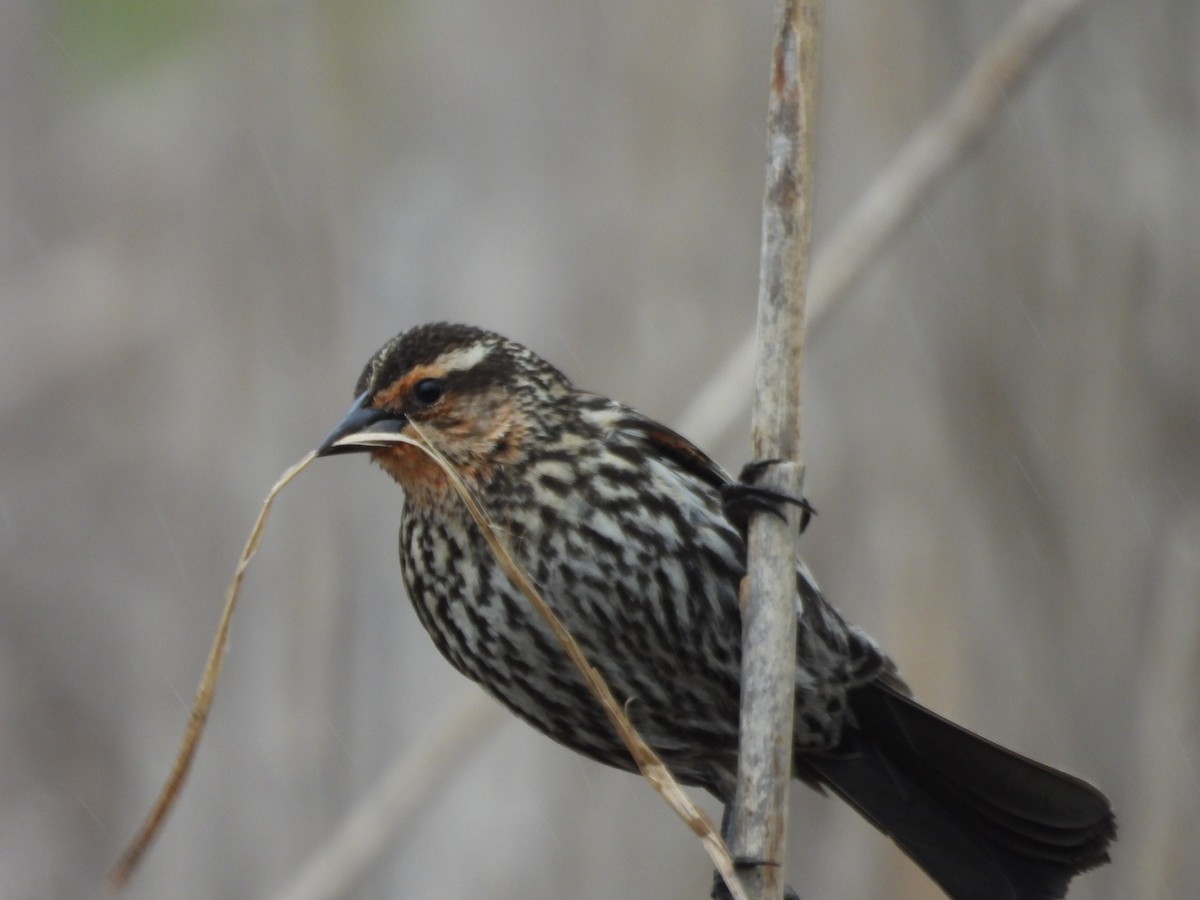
(652, 767)
(120, 873)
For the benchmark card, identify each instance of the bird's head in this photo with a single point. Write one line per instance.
(474, 395)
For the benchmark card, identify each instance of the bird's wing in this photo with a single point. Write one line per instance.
(845, 655)
(675, 447)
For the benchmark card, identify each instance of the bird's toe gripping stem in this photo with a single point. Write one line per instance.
(743, 497)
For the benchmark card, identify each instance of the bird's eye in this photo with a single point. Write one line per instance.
(428, 391)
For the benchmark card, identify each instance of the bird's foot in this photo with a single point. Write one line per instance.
(720, 891)
(744, 496)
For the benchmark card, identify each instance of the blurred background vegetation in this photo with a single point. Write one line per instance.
(212, 213)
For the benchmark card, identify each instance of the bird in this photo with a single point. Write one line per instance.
(637, 540)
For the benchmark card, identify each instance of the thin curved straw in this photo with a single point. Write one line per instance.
(122, 871)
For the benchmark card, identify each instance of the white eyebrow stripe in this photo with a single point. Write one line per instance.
(464, 357)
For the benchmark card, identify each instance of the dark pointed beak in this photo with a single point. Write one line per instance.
(355, 432)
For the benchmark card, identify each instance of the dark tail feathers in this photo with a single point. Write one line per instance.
(985, 823)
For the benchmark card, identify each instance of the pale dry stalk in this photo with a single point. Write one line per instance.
(769, 600)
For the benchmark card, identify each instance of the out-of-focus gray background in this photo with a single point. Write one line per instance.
(211, 214)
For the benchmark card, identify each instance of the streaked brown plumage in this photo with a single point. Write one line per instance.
(622, 524)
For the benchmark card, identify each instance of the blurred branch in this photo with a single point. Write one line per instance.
(942, 141)
(769, 599)
(413, 777)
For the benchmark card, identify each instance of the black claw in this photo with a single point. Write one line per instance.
(721, 892)
(744, 497)
(753, 470)
(750, 862)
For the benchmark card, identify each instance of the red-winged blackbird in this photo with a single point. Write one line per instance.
(622, 524)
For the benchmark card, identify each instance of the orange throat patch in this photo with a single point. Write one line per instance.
(477, 455)
(421, 478)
